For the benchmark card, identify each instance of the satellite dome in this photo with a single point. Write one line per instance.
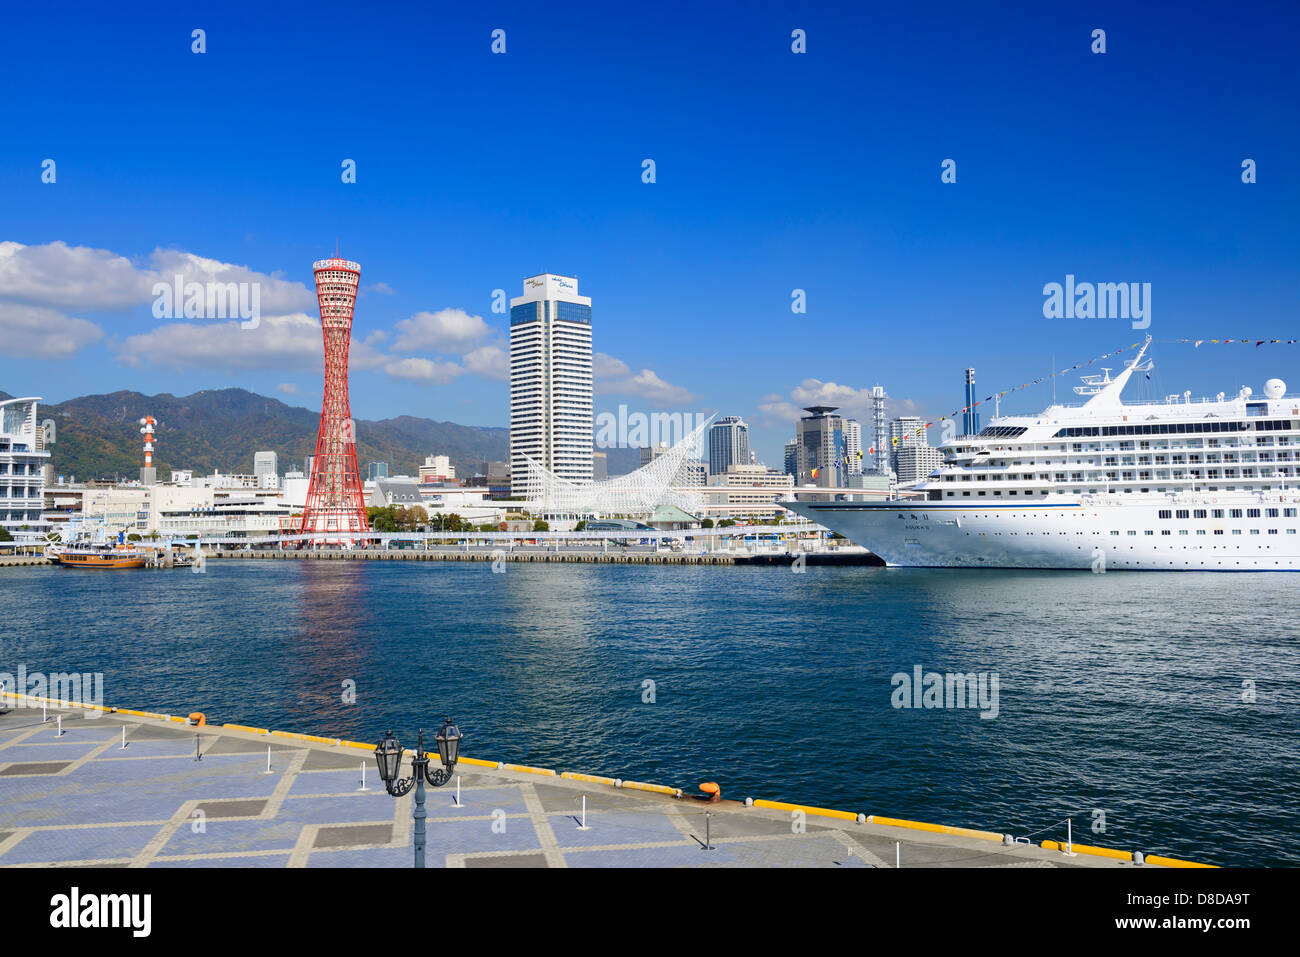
(1275, 388)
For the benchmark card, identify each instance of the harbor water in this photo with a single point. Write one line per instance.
(1158, 711)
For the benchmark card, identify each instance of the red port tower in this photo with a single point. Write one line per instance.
(335, 501)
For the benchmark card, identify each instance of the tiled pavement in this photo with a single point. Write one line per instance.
(81, 799)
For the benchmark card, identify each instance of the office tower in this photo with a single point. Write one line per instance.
(792, 459)
(820, 439)
(915, 462)
(652, 452)
(728, 444)
(23, 457)
(335, 502)
(376, 470)
(265, 463)
(903, 432)
(881, 440)
(853, 445)
(970, 419)
(550, 380)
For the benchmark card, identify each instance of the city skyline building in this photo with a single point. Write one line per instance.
(728, 444)
(335, 502)
(853, 445)
(266, 469)
(915, 461)
(970, 419)
(903, 433)
(22, 464)
(551, 381)
(879, 441)
(820, 440)
(266, 463)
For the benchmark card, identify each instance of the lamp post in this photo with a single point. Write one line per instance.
(388, 755)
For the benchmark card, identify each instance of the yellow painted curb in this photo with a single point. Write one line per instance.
(656, 788)
(527, 770)
(823, 812)
(588, 778)
(935, 828)
(477, 762)
(1094, 851)
(244, 727)
(1174, 862)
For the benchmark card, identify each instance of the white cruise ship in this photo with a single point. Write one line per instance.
(1178, 485)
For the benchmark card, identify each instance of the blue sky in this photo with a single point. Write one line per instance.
(775, 171)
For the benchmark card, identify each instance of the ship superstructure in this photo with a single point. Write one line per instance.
(1179, 484)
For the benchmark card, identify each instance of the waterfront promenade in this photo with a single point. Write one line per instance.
(81, 798)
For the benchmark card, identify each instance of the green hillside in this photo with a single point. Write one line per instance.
(98, 436)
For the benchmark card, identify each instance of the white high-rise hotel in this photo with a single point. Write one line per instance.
(550, 380)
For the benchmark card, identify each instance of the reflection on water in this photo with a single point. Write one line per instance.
(1120, 693)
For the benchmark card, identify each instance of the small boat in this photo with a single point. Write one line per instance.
(98, 556)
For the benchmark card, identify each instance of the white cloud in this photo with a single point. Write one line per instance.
(852, 403)
(607, 367)
(447, 330)
(71, 277)
(278, 342)
(40, 333)
(278, 295)
(288, 388)
(646, 384)
(777, 410)
(424, 370)
(78, 277)
(380, 287)
(489, 361)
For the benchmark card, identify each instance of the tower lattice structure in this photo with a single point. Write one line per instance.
(335, 501)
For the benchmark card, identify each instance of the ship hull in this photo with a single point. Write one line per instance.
(1114, 537)
(101, 561)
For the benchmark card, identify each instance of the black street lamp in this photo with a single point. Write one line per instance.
(388, 755)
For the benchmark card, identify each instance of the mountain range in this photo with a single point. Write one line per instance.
(98, 436)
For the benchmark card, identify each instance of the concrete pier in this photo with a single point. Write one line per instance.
(81, 798)
(580, 556)
(24, 560)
